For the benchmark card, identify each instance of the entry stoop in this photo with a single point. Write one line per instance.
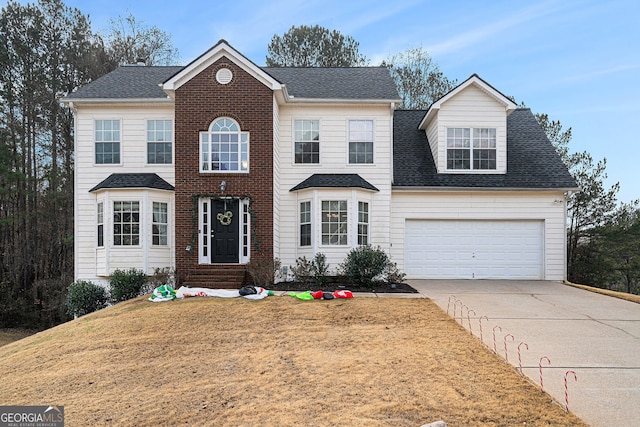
(219, 276)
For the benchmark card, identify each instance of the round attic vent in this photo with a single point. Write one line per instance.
(224, 76)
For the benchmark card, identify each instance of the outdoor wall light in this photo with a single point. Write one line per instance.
(223, 186)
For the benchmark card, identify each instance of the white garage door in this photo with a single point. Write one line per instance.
(474, 249)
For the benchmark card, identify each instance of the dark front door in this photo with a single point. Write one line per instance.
(225, 224)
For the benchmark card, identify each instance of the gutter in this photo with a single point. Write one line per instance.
(409, 189)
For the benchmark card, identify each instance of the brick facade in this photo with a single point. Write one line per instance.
(198, 103)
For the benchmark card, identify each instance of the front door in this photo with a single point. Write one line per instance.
(225, 239)
(219, 231)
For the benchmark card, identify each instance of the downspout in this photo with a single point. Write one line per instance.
(74, 111)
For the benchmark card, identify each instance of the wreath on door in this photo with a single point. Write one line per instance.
(225, 218)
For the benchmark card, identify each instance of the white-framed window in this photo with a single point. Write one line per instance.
(306, 134)
(471, 148)
(100, 225)
(107, 141)
(363, 223)
(360, 141)
(224, 148)
(159, 141)
(335, 223)
(126, 223)
(159, 225)
(305, 223)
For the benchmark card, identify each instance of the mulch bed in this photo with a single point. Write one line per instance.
(334, 286)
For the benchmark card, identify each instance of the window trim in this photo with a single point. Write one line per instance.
(295, 141)
(349, 141)
(364, 224)
(308, 223)
(123, 223)
(171, 141)
(159, 224)
(100, 224)
(341, 223)
(209, 141)
(96, 142)
(471, 149)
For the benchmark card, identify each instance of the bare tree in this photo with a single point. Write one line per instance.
(129, 41)
(418, 78)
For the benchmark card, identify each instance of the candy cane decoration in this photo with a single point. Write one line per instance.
(454, 308)
(449, 302)
(506, 355)
(566, 389)
(540, 366)
(469, 320)
(480, 321)
(461, 320)
(519, 359)
(495, 350)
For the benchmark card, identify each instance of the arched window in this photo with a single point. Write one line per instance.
(224, 148)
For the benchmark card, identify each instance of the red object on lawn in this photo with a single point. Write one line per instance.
(343, 294)
(480, 321)
(317, 294)
(495, 350)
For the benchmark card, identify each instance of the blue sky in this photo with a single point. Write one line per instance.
(576, 60)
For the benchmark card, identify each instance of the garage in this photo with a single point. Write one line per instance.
(474, 249)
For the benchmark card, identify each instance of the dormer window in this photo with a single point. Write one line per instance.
(471, 148)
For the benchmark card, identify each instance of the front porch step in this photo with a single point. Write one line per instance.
(216, 277)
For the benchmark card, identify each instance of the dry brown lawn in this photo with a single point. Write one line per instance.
(274, 362)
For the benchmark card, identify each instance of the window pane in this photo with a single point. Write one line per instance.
(126, 223)
(334, 222)
(307, 141)
(228, 145)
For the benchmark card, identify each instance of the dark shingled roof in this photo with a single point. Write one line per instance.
(337, 83)
(128, 82)
(532, 162)
(334, 180)
(140, 82)
(134, 180)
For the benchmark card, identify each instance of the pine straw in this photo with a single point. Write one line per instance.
(275, 362)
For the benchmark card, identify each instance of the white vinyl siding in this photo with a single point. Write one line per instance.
(334, 158)
(92, 262)
(512, 206)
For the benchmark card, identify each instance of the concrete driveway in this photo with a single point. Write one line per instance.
(596, 336)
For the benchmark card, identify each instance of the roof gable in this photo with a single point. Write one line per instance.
(221, 49)
(476, 81)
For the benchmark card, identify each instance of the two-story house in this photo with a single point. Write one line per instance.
(204, 167)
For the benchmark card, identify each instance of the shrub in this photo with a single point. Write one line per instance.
(263, 270)
(392, 274)
(162, 276)
(364, 263)
(303, 270)
(320, 269)
(128, 284)
(85, 297)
